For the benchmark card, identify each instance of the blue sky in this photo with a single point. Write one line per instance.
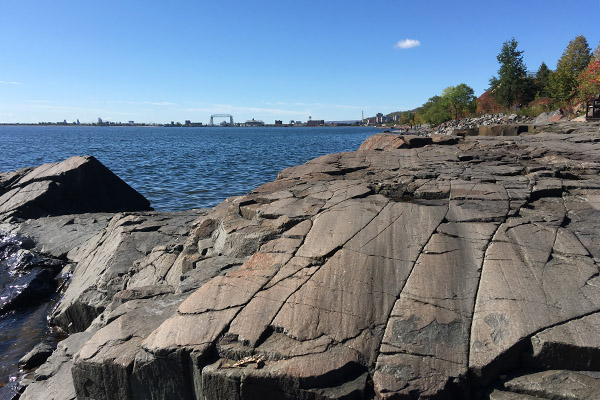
(158, 61)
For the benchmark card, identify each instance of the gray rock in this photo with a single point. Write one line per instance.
(53, 379)
(61, 236)
(76, 185)
(497, 394)
(102, 366)
(544, 118)
(36, 357)
(106, 265)
(557, 384)
(573, 345)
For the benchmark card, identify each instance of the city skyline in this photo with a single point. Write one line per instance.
(157, 62)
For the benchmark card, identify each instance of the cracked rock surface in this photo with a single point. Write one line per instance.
(439, 271)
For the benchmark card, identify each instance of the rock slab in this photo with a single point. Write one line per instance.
(76, 185)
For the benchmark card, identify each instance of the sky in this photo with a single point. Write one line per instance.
(161, 61)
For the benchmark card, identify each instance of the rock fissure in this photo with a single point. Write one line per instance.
(476, 294)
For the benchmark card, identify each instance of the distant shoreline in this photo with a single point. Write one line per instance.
(191, 126)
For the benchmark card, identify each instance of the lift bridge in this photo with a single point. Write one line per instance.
(221, 116)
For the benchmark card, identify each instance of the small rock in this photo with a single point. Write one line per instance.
(36, 357)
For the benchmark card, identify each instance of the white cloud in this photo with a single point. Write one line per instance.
(9, 83)
(408, 44)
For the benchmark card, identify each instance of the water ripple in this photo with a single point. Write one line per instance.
(180, 168)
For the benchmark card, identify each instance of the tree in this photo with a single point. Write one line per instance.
(509, 86)
(486, 104)
(589, 82)
(597, 53)
(418, 118)
(407, 118)
(542, 81)
(434, 111)
(575, 59)
(459, 99)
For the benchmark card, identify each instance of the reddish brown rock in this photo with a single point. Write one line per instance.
(444, 139)
(390, 141)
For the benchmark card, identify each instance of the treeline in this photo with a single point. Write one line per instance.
(576, 79)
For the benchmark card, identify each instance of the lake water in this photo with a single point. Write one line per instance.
(174, 168)
(180, 168)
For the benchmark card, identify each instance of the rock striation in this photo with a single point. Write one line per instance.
(438, 270)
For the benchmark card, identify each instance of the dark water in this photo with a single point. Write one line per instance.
(174, 168)
(180, 168)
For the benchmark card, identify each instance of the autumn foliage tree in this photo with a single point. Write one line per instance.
(487, 104)
(589, 82)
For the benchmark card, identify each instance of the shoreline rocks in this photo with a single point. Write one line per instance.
(73, 186)
(431, 269)
(486, 120)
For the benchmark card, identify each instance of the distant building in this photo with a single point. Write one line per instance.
(379, 118)
(278, 122)
(131, 122)
(315, 122)
(254, 122)
(188, 122)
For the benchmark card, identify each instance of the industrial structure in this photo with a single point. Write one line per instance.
(221, 116)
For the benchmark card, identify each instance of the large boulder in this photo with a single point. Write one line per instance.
(548, 117)
(76, 185)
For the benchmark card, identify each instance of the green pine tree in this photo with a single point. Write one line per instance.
(508, 88)
(575, 58)
(542, 80)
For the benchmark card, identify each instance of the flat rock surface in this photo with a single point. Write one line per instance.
(427, 271)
